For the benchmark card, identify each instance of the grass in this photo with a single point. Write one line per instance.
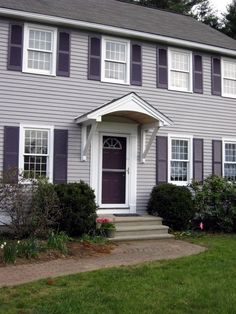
(203, 283)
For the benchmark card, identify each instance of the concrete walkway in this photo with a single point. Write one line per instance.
(127, 253)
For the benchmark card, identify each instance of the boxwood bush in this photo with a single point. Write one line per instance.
(78, 208)
(173, 203)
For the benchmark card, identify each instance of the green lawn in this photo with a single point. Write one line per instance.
(205, 283)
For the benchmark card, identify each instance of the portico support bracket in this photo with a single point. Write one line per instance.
(86, 139)
(145, 147)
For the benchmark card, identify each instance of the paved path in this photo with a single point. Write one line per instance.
(127, 253)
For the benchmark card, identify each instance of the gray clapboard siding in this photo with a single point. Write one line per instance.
(28, 98)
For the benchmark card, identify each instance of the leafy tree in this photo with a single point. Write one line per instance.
(179, 6)
(230, 20)
(207, 15)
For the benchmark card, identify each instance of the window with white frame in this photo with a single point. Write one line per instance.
(229, 77)
(229, 151)
(39, 49)
(180, 160)
(35, 153)
(180, 70)
(115, 60)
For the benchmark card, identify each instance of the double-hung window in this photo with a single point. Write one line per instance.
(180, 70)
(228, 77)
(36, 152)
(229, 153)
(115, 60)
(180, 156)
(39, 49)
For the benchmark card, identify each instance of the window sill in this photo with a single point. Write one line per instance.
(114, 82)
(180, 90)
(228, 96)
(180, 183)
(38, 73)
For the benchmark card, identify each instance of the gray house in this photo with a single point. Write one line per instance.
(115, 94)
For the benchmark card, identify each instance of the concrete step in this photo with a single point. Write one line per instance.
(140, 230)
(142, 237)
(137, 221)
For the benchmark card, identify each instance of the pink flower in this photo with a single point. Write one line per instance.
(103, 220)
(201, 226)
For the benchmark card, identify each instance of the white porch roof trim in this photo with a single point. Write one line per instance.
(124, 105)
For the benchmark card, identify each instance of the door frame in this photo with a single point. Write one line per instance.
(130, 131)
(127, 176)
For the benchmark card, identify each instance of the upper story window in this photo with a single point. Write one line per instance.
(228, 77)
(180, 160)
(229, 153)
(115, 60)
(180, 70)
(40, 45)
(36, 152)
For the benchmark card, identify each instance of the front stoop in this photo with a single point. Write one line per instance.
(139, 228)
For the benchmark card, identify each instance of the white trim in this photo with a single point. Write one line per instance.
(190, 157)
(130, 102)
(127, 62)
(43, 18)
(115, 129)
(228, 140)
(222, 77)
(52, 71)
(23, 127)
(126, 204)
(190, 72)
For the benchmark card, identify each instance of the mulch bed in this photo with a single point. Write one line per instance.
(76, 250)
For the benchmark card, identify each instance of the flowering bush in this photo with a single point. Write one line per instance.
(215, 204)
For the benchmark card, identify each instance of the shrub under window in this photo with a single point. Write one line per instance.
(173, 203)
(78, 208)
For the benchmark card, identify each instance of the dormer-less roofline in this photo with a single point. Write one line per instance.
(94, 27)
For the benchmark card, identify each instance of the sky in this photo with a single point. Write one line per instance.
(220, 5)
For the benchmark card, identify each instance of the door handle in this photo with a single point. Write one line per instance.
(127, 170)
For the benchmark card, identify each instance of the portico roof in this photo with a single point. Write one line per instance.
(130, 106)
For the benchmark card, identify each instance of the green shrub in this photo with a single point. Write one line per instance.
(78, 208)
(215, 204)
(46, 211)
(57, 241)
(29, 248)
(173, 203)
(9, 252)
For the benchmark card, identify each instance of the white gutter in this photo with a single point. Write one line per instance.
(113, 30)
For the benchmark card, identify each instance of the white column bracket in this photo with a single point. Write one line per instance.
(145, 147)
(86, 139)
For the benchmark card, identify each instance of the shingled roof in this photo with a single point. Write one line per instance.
(126, 16)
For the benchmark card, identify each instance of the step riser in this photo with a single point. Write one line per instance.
(143, 238)
(140, 232)
(137, 223)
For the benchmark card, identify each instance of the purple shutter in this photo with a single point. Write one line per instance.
(197, 74)
(60, 156)
(161, 159)
(15, 47)
(216, 76)
(162, 67)
(11, 154)
(63, 53)
(198, 159)
(94, 58)
(217, 157)
(136, 64)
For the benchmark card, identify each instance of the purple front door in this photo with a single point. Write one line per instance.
(113, 170)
